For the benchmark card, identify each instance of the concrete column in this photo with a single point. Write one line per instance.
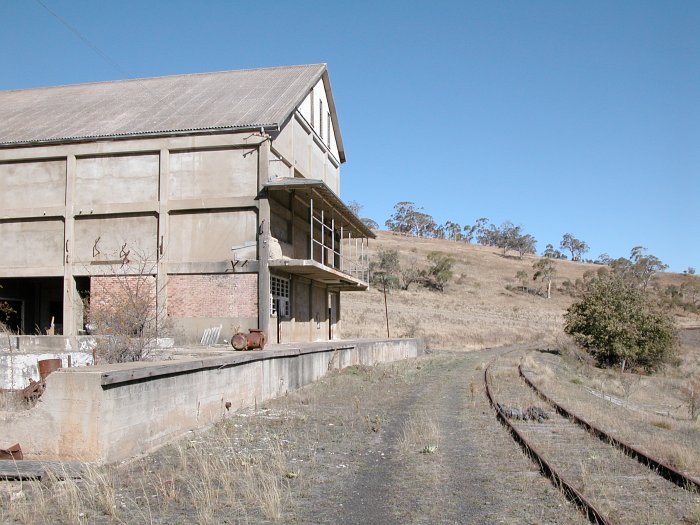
(70, 294)
(162, 238)
(263, 239)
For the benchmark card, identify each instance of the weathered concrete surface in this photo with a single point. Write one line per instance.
(19, 356)
(111, 412)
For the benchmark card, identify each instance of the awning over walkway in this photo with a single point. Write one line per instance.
(318, 272)
(336, 253)
(324, 200)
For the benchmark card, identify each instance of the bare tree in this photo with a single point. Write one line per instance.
(355, 207)
(124, 312)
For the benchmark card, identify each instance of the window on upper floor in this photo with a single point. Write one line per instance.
(328, 129)
(320, 118)
(311, 102)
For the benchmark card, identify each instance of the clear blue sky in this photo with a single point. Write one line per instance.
(559, 116)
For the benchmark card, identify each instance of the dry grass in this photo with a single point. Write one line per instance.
(222, 474)
(420, 434)
(475, 310)
(651, 412)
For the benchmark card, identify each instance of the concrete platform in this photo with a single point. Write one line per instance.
(111, 412)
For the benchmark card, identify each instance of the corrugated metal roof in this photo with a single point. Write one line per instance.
(151, 106)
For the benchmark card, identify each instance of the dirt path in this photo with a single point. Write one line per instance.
(476, 474)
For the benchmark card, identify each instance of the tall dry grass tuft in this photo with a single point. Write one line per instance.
(420, 434)
(60, 497)
(202, 487)
(99, 487)
(65, 498)
(26, 504)
(226, 472)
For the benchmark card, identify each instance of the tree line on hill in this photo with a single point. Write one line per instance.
(621, 314)
(410, 219)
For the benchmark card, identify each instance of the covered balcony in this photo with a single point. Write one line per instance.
(318, 236)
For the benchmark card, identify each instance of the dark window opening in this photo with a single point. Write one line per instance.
(34, 301)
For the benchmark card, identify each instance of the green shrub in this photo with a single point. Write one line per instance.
(617, 323)
(385, 269)
(440, 271)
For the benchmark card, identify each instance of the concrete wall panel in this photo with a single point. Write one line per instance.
(32, 184)
(332, 177)
(198, 237)
(31, 243)
(301, 240)
(283, 143)
(213, 173)
(279, 227)
(301, 149)
(108, 234)
(116, 179)
(318, 159)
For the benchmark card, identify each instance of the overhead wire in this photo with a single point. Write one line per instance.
(103, 55)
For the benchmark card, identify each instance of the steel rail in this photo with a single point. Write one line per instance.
(592, 513)
(664, 470)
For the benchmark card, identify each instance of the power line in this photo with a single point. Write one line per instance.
(85, 40)
(103, 55)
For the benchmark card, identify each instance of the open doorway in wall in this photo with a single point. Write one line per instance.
(82, 287)
(36, 302)
(333, 304)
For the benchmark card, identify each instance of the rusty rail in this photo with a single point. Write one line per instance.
(592, 513)
(656, 465)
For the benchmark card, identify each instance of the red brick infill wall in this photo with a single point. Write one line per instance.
(213, 295)
(109, 292)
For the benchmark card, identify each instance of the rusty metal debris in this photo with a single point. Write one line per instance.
(33, 391)
(13, 452)
(255, 339)
(47, 366)
(531, 413)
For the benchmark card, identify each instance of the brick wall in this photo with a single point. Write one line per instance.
(113, 291)
(213, 295)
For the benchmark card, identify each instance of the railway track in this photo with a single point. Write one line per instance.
(611, 482)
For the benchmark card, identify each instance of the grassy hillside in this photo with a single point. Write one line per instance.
(476, 310)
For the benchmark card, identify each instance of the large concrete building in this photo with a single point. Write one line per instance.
(221, 188)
